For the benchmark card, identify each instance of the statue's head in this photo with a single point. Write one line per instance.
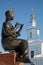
(9, 14)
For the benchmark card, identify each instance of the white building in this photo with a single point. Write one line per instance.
(35, 45)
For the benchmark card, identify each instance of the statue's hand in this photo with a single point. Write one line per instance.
(17, 33)
(17, 25)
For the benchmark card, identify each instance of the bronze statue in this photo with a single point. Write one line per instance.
(10, 40)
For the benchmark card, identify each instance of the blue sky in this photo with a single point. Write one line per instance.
(22, 14)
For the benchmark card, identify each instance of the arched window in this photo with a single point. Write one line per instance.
(30, 34)
(32, 54)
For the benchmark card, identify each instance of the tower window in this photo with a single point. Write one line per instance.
(32, 54)
(31, 34)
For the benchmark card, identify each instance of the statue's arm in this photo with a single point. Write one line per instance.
(20, 26)
(15, 33)
(11, 31)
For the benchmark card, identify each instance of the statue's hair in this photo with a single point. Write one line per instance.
(7, 12)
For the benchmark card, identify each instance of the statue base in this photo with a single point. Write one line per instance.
(8, 58)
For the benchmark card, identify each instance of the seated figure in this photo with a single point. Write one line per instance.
(10, 40)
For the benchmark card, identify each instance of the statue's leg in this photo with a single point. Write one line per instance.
(24, 47)
(23, 52)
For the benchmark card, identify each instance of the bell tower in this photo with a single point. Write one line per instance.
(33, 30)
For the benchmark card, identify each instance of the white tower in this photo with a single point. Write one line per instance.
(33, 31)
(35, 43)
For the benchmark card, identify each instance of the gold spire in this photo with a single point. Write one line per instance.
(33, 21)
(32, 13)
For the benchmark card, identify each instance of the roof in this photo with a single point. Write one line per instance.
(38, 57)
(35, 41)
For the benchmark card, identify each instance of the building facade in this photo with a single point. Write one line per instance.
(35, 44)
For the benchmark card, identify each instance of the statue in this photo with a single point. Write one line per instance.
(10, 41)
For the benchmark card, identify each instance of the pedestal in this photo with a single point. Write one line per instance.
(9, 59)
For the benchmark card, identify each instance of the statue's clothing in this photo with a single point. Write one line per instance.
(8, 34)
(10, 40)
